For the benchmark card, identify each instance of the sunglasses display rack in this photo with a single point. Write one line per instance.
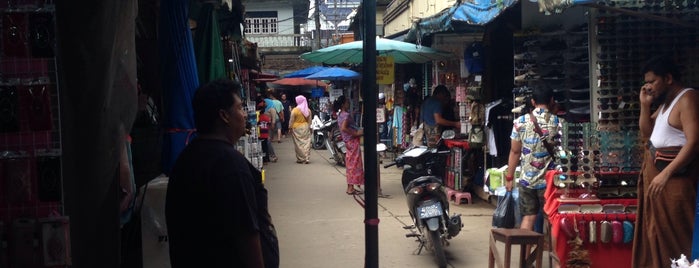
(32, 231)
(250, 145)
(557, 59)
(621, 44)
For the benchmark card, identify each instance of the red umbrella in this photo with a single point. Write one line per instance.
(296, 81)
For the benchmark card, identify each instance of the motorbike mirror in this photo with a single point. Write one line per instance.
(448, 134)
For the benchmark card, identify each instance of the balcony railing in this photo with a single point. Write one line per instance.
(279, 40)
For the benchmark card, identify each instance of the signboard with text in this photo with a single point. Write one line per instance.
(385, 71)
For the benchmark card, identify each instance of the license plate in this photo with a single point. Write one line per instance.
(429, 210)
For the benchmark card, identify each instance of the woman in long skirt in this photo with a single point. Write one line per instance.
(353, 157)
(300, 124)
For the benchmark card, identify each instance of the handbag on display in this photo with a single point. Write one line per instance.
(14, 34)
(593, 232)
(9, 120)
(475, 137)
(605, 232)
(48, 178)
(41, 35)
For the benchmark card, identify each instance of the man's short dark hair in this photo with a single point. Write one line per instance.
(542, 95)
(662, 66)
(209, 99)
(441, 90)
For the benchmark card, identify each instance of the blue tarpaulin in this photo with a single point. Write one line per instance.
(459, 16)
(179, 78)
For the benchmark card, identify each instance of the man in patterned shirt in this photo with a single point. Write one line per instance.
(528, 151)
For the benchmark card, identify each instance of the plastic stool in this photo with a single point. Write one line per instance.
(520, 237)
(450, 193)
(460, 196)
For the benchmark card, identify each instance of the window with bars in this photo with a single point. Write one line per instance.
(261, 25)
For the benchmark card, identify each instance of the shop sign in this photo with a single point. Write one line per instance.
(385, 71)
(335, 93)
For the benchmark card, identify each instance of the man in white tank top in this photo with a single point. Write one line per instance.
(666, 199)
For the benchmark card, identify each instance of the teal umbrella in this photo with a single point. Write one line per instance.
(401, 52)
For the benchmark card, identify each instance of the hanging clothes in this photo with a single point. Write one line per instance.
(398, 112)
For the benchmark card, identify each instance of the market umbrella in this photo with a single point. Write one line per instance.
(305, 72)
(334, 73)
(207, 44)
(179, 79)
(297, 81)
(401, 52)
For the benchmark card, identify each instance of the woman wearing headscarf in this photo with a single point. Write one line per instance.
(300, 124)
(350, 135)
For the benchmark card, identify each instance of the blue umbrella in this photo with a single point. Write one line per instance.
(334, 73)
(305, 72)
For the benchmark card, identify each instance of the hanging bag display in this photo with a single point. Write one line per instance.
(475, 137)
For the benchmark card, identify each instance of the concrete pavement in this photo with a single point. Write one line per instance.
(320, 226)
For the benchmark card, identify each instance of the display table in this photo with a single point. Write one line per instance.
(457, 143)
(454, 169)
(602, 255)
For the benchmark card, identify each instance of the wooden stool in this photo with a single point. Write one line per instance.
(520, 237)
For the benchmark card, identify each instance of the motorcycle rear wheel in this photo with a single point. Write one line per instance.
(318, 143)
(435, 244)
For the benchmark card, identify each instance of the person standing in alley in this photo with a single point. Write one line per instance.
(534, 137)
(287, 114)
(350, 135)
(300, 124)
(432, 115)
(216, 205)
(667, 186)
(278, 118)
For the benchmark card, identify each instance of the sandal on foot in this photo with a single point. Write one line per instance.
(353, 192)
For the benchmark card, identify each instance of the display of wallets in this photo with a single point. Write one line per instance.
(3, 246)
(49, 178)
(617, 232)
(593, 232)
(14, 34)
(9, 120)
(55, 241)
(605, 233)
(23, 243)
(41, 34)
(38, 106)
(18, 184)
(582, 230)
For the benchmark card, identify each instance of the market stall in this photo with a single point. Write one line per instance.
(604, 226)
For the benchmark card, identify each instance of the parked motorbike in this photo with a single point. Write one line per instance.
(428, 206)
(334, 143)
(318, 126)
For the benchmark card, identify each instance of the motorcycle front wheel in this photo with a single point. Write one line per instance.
(435, 244)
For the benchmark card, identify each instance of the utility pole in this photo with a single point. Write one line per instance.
(317, 15)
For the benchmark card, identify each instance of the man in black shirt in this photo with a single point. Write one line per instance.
(216, 206)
